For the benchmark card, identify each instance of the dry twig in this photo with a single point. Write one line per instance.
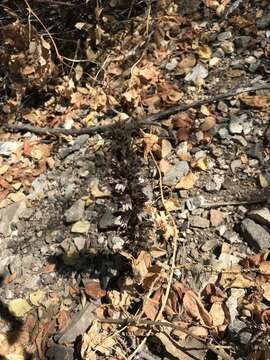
(130, 122)
(219, 351)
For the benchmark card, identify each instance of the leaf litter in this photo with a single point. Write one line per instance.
(131, 61)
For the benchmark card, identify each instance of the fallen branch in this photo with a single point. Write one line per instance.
(219, 351)
(131, 122)
(236, 203)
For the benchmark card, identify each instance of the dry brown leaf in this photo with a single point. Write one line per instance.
(265, 316)
(217, 314)
(40, 151)
(256, 101)
(187, 62)
(120, 299)
(172, 204)
(266, 290)
(265, 267)
(187, 182)
(152, 101)
(63, 319)
(142, 264)
(96, 341)
(48, 268)
(183, 134)
(151, 143)
(148, 73)
(187, 349)
(199, 331)
(196, 309)
(209, 123)
(174, 96)
(150, 308)
(93, 289)
(182, 120)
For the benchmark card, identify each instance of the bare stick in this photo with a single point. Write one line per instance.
(219, 351)
(235, 203)
(129, 121)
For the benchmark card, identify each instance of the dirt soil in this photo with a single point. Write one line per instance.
(126, 236)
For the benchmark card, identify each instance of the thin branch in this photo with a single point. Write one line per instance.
(180, 108)
(129, 121)
(236, 203)
(219, 351)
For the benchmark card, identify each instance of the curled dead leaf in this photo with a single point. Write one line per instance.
(196, 309)
(256, 101)
(209, 123)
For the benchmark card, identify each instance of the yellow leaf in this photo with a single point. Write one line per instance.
(201, 164)
(18, 196)
(187, 182)
(204, 52)
(90, 118)
(172, 204)
(4, 169)
(19, 307)
(37, 297)
(241, 282)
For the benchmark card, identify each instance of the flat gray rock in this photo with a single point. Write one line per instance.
(178, 170)
(108, 220)
(261, 216)
(79, 324)
(255, 235)
(60, 352)
(10, 215)
(199, 222)
(75, 212)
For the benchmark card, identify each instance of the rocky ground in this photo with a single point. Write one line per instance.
(93, 225)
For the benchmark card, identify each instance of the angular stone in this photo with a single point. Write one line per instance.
(235, 127)
(79, 324)
(216, 217)
(75, 212)
(108, 220)
(81, 227)
(60, 352)
(178, 170)
(79, 243)
(81, 140)
(261, 216)
(10, 215)
(198, 222)
(255, 235)
(264, 21)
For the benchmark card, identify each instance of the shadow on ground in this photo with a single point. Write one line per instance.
(15, 325)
